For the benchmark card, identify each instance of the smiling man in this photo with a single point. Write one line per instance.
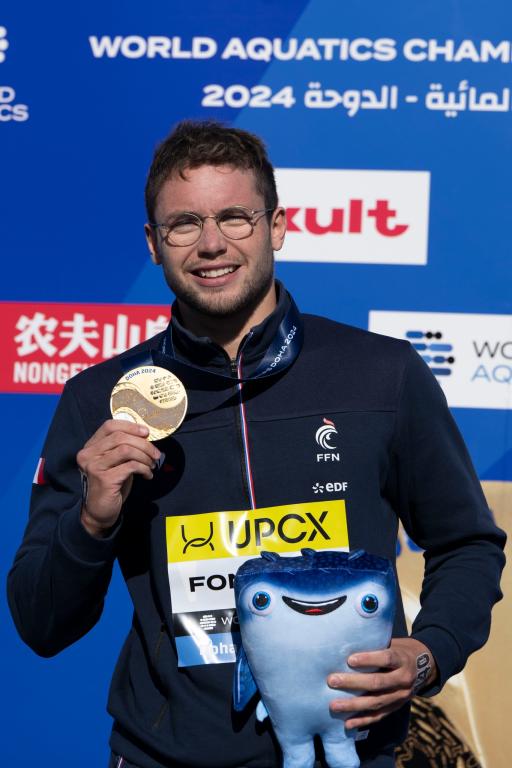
(219, 259)
(242, 474)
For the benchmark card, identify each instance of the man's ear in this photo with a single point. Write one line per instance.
(151, 240)
(278, 228)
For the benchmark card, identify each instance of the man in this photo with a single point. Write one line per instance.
(262, 383)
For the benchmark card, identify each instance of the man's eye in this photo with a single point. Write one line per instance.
(234, 218)
(185, 224)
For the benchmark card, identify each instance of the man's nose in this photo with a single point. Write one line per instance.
(212, 240)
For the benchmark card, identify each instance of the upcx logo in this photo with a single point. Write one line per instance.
(4, 43)
(283, 528)
(198, 541)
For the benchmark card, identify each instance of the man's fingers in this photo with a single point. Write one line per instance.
(370, 704)
(114, 426)
(365, 710)
(372, 681)
(108, 484)
(121, 473)
(117, 451)
(119, 455)
(369, 718)
(382, 691)
(386, 659)
(113, 447)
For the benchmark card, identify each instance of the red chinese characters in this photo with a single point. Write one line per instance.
(43, 345)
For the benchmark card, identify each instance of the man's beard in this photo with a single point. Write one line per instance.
(214, 304)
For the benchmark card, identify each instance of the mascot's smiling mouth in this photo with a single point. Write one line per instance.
(314, 608)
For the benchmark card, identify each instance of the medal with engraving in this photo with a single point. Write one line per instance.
(151, 396)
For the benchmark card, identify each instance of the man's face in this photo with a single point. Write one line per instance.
(217, 276)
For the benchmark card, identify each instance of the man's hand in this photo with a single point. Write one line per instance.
(401, 675)
(116, 452)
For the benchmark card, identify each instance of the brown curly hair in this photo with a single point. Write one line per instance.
(195, 143)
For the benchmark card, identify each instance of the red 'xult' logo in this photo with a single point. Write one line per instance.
(350, 219)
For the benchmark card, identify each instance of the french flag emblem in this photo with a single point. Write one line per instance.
(39, 478)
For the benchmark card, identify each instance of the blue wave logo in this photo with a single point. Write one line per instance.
(438, 354)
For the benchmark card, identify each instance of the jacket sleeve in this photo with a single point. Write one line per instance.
(60, 574)
(443, 509)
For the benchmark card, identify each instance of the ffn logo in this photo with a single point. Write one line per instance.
(324, 437)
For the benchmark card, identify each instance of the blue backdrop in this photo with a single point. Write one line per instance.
(86, 92)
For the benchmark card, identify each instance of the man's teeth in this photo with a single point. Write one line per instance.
(216, 272)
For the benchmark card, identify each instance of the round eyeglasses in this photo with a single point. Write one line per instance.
(236, 223)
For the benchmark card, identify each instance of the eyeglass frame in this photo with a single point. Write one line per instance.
(215, 216)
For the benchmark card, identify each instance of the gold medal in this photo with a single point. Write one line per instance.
(152, 396)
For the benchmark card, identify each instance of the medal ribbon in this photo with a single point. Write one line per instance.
(279, 355)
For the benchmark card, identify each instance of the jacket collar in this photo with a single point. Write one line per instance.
(201, 350)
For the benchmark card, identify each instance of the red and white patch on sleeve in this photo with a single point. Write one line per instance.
(39, 478)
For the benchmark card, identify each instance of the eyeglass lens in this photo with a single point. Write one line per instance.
(233, 223)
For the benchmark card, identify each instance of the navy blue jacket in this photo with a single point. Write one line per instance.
(400, 454)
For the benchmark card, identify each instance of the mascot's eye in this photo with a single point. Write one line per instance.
(369, 603)
(261, 601)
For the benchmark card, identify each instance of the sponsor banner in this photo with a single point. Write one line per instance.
(43, 345)
(458, 725)
(471, 355)
(10, 108)
(204, 552)
(268, 49)
(282, 529)
(361, 217)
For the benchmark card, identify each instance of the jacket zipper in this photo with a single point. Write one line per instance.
(242, 433)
